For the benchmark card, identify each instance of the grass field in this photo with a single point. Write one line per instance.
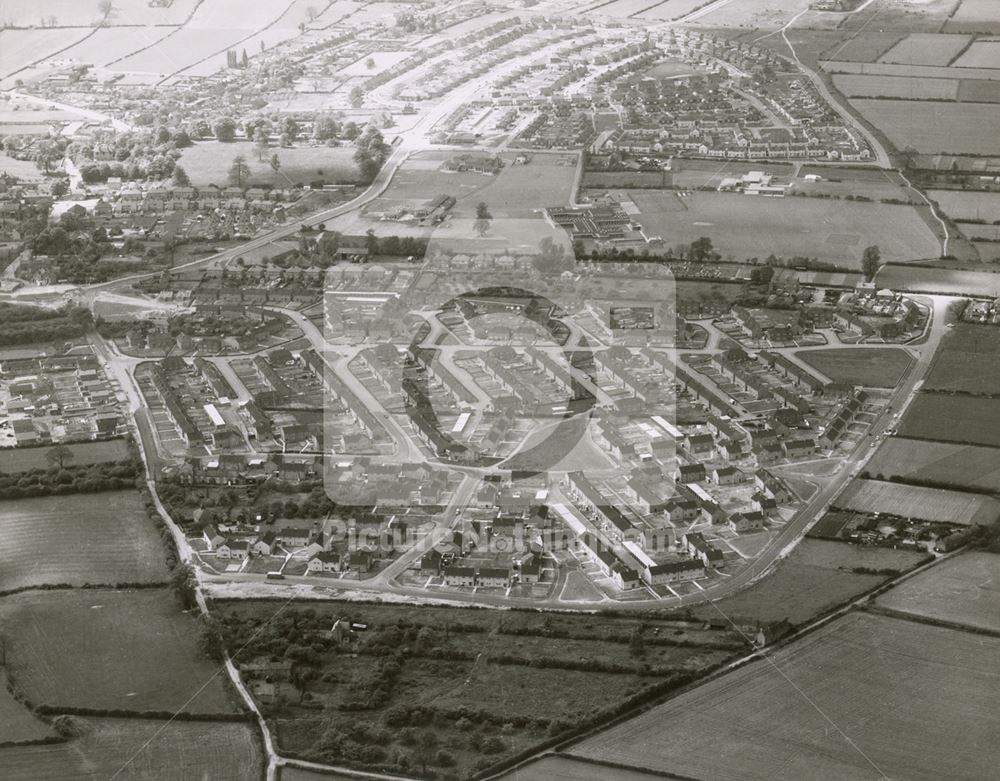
(939, 462)
(910, 71)
(802, 586)
(981, 54)
(911, 501)
(829, 554)
(564, 768)
(73, 13)
(854, 86)
(665, 9)
(742, 227)
(968, 361)
(975, 230)
(940, 280)
(131, 650)
(946, 418)
(141, 750)
(102, 538)
(17, 723)
(765, 14)
(208, 162)
(964, 590)
(25, 458)
(926, 49)
(108, 44)
(974, 16)
(970, 205)
(918, 701)
(879, 367)
(20, 48)
(933, 127)
(979, 91)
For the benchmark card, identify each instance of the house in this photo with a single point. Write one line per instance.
(701, 444)
(765, 504)
(690, 569)
(294, 538)
(325, 561)
(264, 545)
(623, 576)
(493, 577)
(799, 448)
(746, 522)
(770, 453)
(456, 575)
(361, 560)
(767, 482)
(727, 475)
(690, 473)
(681, 510)
(530, 570)
(696, 546)
(212, 537)
(233, 549)
(431, 563)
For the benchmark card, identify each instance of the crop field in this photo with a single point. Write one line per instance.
(974, 16)
(73, 13)
(24, 458)
(566, 768)
(940, 280)
(979, 91)
(963, 590)
(852, 85)
(77, 540)
(879, 367)
(667, 9)
(832, 231)
(967, 466)
(968, 361)
(516, 192)
(918, 701)
(763, 14)
(801, 587)
(208, 162)
(109, 44)
(17, 723)
(931, 127)
(970, 205)
(335, 12)
(20, 48)
(911, 501)
(974, 230)
(927, 49)
(92, 648)
(981, 54)
(946, 418)
(179, 51)
(141, 749)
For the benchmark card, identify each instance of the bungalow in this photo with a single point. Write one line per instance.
(727, 475)
(212, 537)
(325, 561)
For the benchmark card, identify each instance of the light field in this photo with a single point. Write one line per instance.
(981, 54)
(927, 49)
(21, 48)
(559, 768)
(109, 44)
(913, 71)
(876, 368)
(91, 648)
(963, 204)
(74, 13)
(208, 162)
(918, 701)
(855, 86)
(139, 750)
(102, 538)
(974, 16)
(963, 590)
(973, 230)
(944, 281)
(931, 127)
(763, 14)
(832, 231)
(945, 463)
(671, 9)
(911, 501)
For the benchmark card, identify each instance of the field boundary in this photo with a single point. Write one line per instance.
(890, 612)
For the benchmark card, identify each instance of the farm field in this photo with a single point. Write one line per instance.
(334, 13)
(844, 556)
(867, 46)
(917, 700)
(879, 367)
(974, 230)
(73, 13)
(927, 49)
(118, 748)
(974, 16)
(24, 170)
(17, 723)
(516, 192)
(742, 226)
(981, 54)
(946, 418)
(801, 587)
(940, 280)
(964, 590)
(109, 44)
(854, 86)
(565, 768)
(912, 501)
(670, 9)
(177, 52)
(968, 361)
(911, 71)
(95, 648)
(22, 459)
(20, 48)
(979, 91)
(970, 205)
(935, 127)
(968, 466)
(102, 538)
(208, 162)
(763, 14)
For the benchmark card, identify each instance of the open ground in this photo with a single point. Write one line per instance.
(932, 127)
(942, 463)
(208, 162)
(911, 501)
(864, 697)
(876, 368)
(24, 458)
(947, 418)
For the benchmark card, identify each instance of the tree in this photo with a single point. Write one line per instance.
(181, 179)
(106, 9)
(275, 163)
(244, 60)
(701, 249)
(261, 142)
(59, 455)
(181, 139)
(357, 97)
(225, 130)
(311, 13)
(370, 63)
(871, 259)
(483, 217)
(291, 128)
(239, 171)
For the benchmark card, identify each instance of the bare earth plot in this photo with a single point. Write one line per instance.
(939, 462)
(832, 231)
(965, 419)
(911, 501)
(102, 538)
(963, 590)
(918, 701)
(179, 750)
(926, 49)
(876, 368)
(93, 648)
(931, 127)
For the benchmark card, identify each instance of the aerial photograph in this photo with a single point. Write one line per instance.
(540, 390)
